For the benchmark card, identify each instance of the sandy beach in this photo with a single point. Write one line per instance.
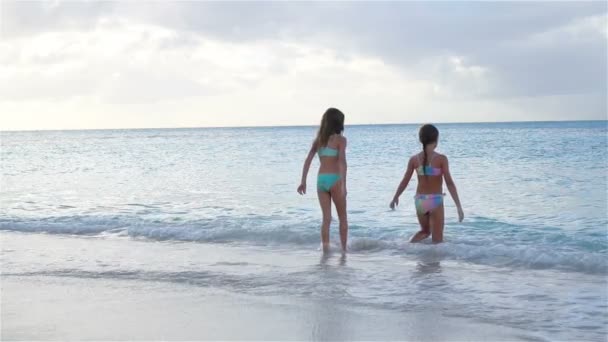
(51, 308)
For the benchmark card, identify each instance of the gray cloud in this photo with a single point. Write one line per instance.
(522, 45)
(21, 18)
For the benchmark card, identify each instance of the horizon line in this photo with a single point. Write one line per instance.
(296, 126)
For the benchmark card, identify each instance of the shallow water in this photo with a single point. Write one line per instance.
(534, 196)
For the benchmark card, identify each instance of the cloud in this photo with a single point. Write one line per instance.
(246, 62)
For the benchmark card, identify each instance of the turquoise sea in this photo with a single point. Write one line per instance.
(531, 254)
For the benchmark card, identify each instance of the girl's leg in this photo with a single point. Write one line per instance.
(437, 221)
(425, 228)
(325, 202)
(337, 195)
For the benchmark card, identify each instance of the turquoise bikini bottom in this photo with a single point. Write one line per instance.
(325, 181)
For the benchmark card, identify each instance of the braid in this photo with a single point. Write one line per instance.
(424, 160)
(428, 134)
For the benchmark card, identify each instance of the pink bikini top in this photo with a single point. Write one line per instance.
(428, 170)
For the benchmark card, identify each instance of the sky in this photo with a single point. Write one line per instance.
(128, 64)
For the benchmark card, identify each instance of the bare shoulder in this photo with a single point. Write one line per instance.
(443, 159)
(340, 139)
(413, 159)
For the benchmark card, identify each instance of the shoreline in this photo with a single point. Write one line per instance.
(63, 308)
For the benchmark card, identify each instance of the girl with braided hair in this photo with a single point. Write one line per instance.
(432, 168)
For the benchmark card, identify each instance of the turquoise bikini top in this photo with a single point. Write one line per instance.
(328, 152)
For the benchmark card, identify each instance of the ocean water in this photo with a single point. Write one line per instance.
(531, 253)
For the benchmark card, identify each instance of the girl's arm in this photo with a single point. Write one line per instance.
(307, 162)
(342, 160)
(452, 188)
(404, 182)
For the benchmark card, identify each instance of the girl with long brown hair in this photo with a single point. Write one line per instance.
(330, 145)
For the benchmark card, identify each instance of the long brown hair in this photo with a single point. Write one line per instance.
(428, 134)
(331, 123)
